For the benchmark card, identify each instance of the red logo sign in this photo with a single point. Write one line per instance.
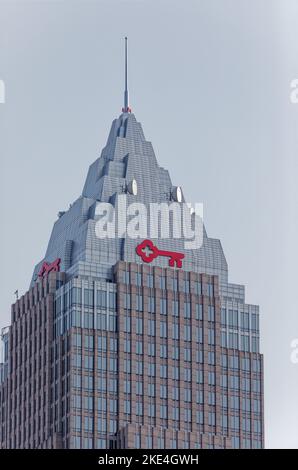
(148, 252)
(48, 267)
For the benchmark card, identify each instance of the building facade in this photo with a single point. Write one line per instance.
(108, 349)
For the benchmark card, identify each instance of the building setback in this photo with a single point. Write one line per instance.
(107, 350)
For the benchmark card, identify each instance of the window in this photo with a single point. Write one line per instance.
(163, 391)
(139, 408)
(113, 344)
(88, 362)
(199, 334)
(151, 390)
(163, 371)
(127, 406)
(175, 284)
(163, 351)
(234, 382)
(139, 326)
(175, 415)
(187, 374)
(235, 402)
(187, 310)
(187, 415)
(151, 327)
(127, 345)
(255, 344)
(127, 386)
(175, 393)
(187, 333)
(163, 306)
(223, 339)
(113, 364)
(175, 353)
(211, 419)
(211, 378)
(151, 349)
(77, 422)
(199, 312)
(102, 404)
(150, 280)
(233, 340)
(200, 397)
(200, 377)
(175, 331)
(163, 329)
(211, 398)
(162, 282)
(139, 368)
(255, 322)
(113, 426)
(139, 388)
(113, 405)
(223, 316)
(175, 371)
(244, 321)
(200, 417)
(186, 286)
(187, 395)
(139, 279)
(175, 308)
(113, 387)
(234, 422)
(210, 289)
(211, 313)
(127, 366)
(88, 382)
(127, 324)
(126, 277)
(151, 304)
(127, 301)
(244, 342)
(101, 299)
(151, 410)
(246, 405)
(198, 288)
(234, 362)
(163, 411)
(233, 319)
(76, 296)
(187, 354)
(139, 347)
(151, 369)
(101, 363)
(112, 300)
(211, 336)
(211, 358)
(246, 424)
(139, 302)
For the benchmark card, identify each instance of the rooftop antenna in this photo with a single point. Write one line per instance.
(126, 108)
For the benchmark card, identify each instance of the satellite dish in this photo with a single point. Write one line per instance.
(177, 194)
(132, 187)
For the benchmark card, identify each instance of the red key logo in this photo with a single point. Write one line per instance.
(148, 252)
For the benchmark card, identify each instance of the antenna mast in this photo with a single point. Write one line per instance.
(126, 108)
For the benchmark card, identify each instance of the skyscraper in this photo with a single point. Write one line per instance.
(125, 342)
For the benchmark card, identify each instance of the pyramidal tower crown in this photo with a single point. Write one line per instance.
(127, 157)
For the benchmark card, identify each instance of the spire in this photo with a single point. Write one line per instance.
(126, 108)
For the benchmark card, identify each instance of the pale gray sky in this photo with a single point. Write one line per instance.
(210, 82)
